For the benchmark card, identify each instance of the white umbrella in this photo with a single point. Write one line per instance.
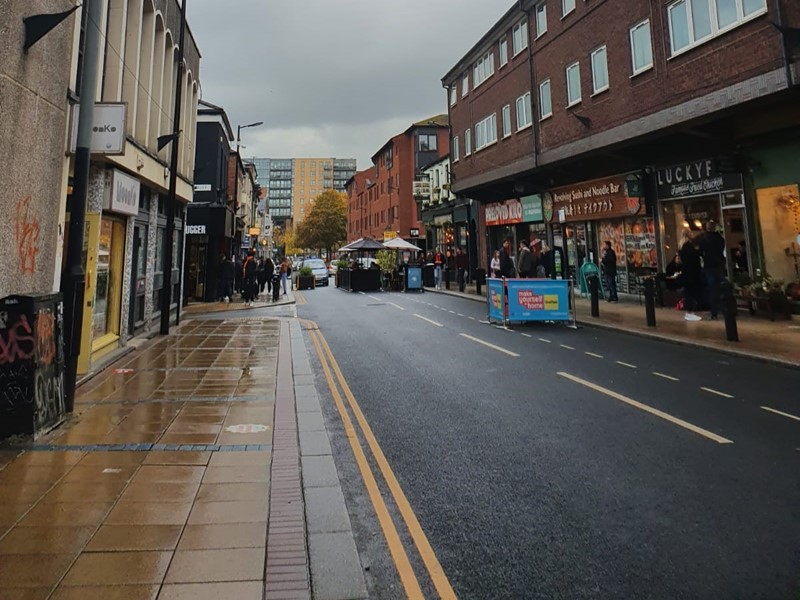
(400, 244)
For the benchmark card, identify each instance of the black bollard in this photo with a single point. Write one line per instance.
(594, 292)
(650, 301)
(731, 330)
(447, 278)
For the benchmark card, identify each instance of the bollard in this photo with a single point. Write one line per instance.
(447, 278)
(731, 330)
(594, 291)
(478, 286)
(650, 301)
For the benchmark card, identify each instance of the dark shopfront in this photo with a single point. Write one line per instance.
(692, 194)
(515, 219)
(209, 235)
(585, 215)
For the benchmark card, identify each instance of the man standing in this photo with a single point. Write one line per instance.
(438, 262)
(225, 280)
(609, 263)
(249, 278)
(506, 264)
(712, 249)
(461, 267)
(525, 266)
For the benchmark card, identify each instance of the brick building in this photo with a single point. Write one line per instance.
(380, 199)
(648, 119)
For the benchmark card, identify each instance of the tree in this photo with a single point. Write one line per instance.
(325, 225)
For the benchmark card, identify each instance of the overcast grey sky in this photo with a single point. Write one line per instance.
(332, 77)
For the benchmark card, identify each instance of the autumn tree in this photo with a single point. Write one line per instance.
(325, 225)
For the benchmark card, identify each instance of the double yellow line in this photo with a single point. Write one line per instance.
(396, 548)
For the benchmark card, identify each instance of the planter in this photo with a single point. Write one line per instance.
(305, 282)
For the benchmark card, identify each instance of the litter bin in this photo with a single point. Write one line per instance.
(428, 276)
(480, 280)
(414, 279)
(31, 364)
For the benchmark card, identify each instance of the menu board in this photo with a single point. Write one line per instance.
(640, 247)
(613, 231)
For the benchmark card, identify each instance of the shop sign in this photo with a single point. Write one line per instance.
(389, 235)
(531, 208)
(195, 230)
(442, 220)
(414, 232)
(124, 197)
(605, 198)
(256, 231)
(108, 128)
(507, 212)
(694, 179)
(202, 187)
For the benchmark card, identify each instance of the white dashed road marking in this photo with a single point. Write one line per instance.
(624, 364)
(492, 346)
(593, 354)
(777, 412)
(718, 393)
(428, 320)
(670, 377)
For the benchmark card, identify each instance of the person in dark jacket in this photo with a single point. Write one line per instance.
(249, 272)
(525, 267)
(712, 248)
(269, 271)
(461, 268)
(225, 277)
(238, 269)
(609, 264)
(692, 274)
(506, 264)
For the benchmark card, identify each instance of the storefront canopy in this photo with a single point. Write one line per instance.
(400, 244)
(362, 244)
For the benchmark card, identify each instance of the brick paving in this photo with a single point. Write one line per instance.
(167, 478)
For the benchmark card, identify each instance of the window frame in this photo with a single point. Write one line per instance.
(570, 102)
(465, 84)
(564, 11)
(483, 68)
(542, 115)
(526, 112)
(506, 112)
(502, 52)
(543, 6)
(453, 95)
(522, 27)
(634, 70)
(467, 142)
(716, 30)
(483, 128)
(454, 152)
(595, 89)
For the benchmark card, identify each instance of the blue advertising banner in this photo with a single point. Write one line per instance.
(414, 278)
(494, 289)
(538, 300)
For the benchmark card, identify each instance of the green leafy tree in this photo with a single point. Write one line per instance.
(325, 225)
(386, 259)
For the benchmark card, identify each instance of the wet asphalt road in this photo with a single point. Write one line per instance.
(530, 484)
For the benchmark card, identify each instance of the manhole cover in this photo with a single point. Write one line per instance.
(247, 428)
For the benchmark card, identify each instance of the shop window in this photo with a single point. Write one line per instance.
(108, 282)
(779, 218)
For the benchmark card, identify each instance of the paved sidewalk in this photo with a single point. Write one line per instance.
(169, 481)
(774, 341)
(264, 301)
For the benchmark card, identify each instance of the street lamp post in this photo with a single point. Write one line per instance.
(236, 166)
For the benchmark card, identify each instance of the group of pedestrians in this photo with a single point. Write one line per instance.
(699, 265)
(460, 261)
(534, 260)
(251, 277)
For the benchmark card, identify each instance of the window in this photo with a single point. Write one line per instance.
(453, 95)
(427, 142)
(573, 84)
(503, 52)
(599, 70)
(520, 34)
(524, 118)
(545, 101)
(483, 69)
(541, 19)
(692, 22)
(567, 6)
(486, 132)
(455, 149)
(507, 120)
(467, 142)
(641, 47)
(465, 85)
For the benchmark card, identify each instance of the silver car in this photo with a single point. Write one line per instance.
(319, 269)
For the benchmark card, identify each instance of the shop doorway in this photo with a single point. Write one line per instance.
(197, 261)
(580, 246)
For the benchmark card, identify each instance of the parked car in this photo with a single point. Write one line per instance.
(332, 268)
(319, 269)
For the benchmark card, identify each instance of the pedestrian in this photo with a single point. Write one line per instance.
(536, 253)
(712, 249)
(238, 271)
(525, 266)
(506, 262)
(692, 274)
(284, 271)
(544, 270)
(438, 262)
(609, 263)
(494, 265)
(269, 270)
(461, 268)
(249, 283)
(226, 275)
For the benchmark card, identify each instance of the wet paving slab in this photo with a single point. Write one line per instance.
(160, 480)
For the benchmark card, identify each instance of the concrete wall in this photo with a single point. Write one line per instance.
(33, 89)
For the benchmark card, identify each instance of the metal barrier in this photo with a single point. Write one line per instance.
(529, 300)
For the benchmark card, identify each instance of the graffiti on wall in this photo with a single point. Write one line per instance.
(27, 235)
(16, 339)
(45, 336)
